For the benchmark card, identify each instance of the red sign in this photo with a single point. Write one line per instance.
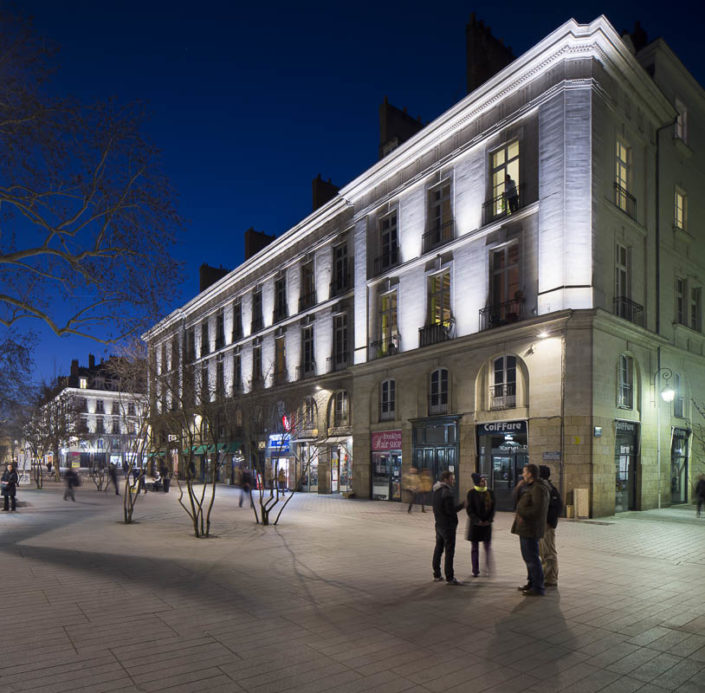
(386, 440)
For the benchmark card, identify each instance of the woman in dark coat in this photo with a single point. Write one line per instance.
(480, 508)
(9, 487)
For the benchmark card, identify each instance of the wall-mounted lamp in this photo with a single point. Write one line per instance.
(543, 334)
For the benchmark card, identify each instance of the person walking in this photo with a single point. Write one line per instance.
(547, 543)
(445, 511)
(425, 486)
(700, 494)
(245, 485)
(480, 507)
(9, 488)
(72, 481)
(411, 484)
(530, 524)
(112, 478)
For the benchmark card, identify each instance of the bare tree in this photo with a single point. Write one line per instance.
(84, 208)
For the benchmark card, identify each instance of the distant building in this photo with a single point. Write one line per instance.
(520, 280)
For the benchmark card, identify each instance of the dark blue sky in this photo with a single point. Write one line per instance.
(249, 101)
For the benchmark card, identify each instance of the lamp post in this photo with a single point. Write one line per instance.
(667, 395)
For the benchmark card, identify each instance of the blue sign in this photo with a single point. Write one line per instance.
(279, 443)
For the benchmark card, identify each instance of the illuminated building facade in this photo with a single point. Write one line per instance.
(518, 281)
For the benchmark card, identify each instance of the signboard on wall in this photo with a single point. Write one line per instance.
(386, 440)
(502, 427)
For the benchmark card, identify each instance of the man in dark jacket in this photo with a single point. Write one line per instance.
(547, 544)
(9, 487)
(445, 512)
(530, 524)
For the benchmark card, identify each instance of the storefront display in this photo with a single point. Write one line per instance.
(626, 448)
(386, 465)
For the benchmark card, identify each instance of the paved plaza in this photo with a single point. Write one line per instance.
(339, 597)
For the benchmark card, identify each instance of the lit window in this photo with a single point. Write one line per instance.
(680, 211)
(625, 394)
(439, 312)
(504, 163)
(623, 179)
(83, 383)
(388, 329)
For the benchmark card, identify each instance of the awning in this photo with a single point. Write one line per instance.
(225, 447)
(200, 449)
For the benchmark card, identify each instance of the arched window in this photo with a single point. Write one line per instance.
(503, 389)
(307, 414)
(438, 392)
(339, 413)
(387, 400)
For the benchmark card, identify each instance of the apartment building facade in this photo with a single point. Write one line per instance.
(519, 281)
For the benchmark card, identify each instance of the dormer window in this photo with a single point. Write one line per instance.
(83, 383)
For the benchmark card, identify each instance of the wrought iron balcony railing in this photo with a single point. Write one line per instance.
(387, 346)
(503, 396)
(438, 235)
(625, 200)
(629, 310)
(306, 370)
(499, 314)
(502, 206)
(307, 300)
(436, 333)
(386, 260)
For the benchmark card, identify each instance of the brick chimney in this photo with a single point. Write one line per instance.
(486, 55)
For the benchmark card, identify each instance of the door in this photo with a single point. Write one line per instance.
(625, 489)
(506, 473)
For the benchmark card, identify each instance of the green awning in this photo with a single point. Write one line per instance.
(200, 449)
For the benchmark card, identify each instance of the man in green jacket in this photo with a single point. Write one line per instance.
(529, 524)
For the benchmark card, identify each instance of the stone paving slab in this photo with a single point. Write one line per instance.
(338, 597)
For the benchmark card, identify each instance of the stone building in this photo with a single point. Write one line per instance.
(519, 280)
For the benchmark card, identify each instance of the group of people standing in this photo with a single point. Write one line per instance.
(538, 506)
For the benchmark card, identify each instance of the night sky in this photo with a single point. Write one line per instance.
(249, 103)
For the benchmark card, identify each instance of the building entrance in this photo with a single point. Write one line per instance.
(503, 451)
(436, 449)
(626, 448)
(386, 465)
(679, 465)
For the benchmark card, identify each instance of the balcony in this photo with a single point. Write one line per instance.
(436, 333)
(280, 313)
(257, 324)
(629, 310)
(439, 235)
(625, 200)
(387, 346)
(386, 260)
(307, 300)
(306, 370)
(503, 396)
(500, 207)
(500, 314)
(339, 362)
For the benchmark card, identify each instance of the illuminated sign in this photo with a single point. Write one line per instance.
(386, 440)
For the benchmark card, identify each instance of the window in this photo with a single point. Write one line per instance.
(681, 131)
(205, 384)
(439, 312)
(439, 227)
(219, 330)
(256, 364)
(99, 407)
(308, 414)
(99, 425)
(438, 399)
(190, 346)
(503, 390)
(308, 361)
(622, 276)
(115, 425)
(680, 210)
(387, 405)
(678, 399)
(237, 372)
(341, 409)
(280, 307)
(280, 374)
(237, 321)
(340, 340)
(115, 407)
(220, 377)
(131, 409)
(681, 293)
(388, 328)
(504, 164)
(625, 394)
(623, 179)
(83, 383)
(257, 320)
(205, 347)
(505, 278)
(341, 269)
(307, 298)
(695, 311)
(388, 243)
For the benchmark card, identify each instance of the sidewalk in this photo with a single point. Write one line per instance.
(339, 597)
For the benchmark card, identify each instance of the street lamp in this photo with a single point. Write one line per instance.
(667, 395)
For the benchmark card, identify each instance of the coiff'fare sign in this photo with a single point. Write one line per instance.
(386, 440)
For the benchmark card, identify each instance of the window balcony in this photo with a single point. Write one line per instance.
(339, 362)
(387, 346)
(439, 235)
(306, 370)
(307, 300)
(629, 310)
(436, 333)
(500, 314)
(386, 260)
(342, 283)
(625, 200)
(257, 324)
(503, 396)
(280, 313)
(500, 206)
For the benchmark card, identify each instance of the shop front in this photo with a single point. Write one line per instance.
(679, 465)
(341, 467)
(626, 449)
(386, 465)
(307, 466)
(502, 451)
(280, 461)
(435, 448)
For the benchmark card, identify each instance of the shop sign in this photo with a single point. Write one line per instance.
(386, 440)
(626, 426)
(502, 427)
(279, 442)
